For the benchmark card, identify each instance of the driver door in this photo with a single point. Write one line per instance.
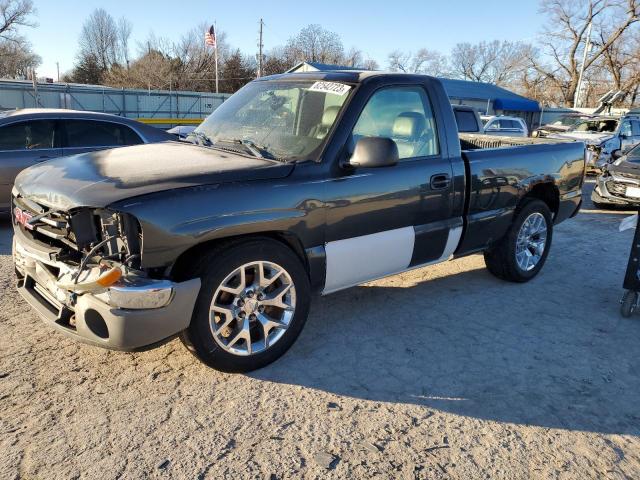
(385, 220)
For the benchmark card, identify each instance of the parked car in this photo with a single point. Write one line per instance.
(503, 125)
(334, 179)
(467, 119)
(619, 182)
(181, 131)
(30, 136)
(604, 135)
(560, 125)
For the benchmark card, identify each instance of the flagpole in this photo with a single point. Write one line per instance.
(215, 53)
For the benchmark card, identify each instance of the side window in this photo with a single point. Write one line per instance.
(466, 121)
(625, 129)
(89, 133)
(32, 135)
(635, 127)
(493, 125)
(404, 115)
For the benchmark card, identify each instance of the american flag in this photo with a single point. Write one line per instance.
(210, 37)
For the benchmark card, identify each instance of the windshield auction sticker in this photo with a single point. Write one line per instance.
(330, 87)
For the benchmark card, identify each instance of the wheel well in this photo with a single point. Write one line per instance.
(548, 193)
(180, 268)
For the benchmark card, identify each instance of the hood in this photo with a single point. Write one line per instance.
(97, 179)
(587, 137)
(554, 128)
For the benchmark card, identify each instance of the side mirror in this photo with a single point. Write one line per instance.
(373, 152)
(616, 154)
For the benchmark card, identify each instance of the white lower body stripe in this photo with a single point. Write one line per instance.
(361, 259)
(356, 260)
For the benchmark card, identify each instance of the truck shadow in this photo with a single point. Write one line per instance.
(6, 235)
(542, 354)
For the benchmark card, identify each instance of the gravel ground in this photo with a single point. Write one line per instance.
(444, 372)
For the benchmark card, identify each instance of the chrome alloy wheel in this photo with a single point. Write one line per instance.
(531, 241)
(252, 308)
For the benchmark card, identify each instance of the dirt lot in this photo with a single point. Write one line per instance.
(443, 372)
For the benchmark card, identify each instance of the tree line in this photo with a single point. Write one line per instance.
(547, 70)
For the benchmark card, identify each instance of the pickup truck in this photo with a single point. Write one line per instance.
(298, 184)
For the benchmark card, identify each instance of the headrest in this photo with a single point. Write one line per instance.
(329, 115)
(409, 125)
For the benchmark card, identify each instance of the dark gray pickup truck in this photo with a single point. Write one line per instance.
(299, 183)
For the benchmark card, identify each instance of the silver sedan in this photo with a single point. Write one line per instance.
(30, 136)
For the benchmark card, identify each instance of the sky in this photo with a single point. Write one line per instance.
(375, 27)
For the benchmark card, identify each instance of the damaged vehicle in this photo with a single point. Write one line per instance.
(619, 183)
(298, 184)
(603, 135)
(560, 125)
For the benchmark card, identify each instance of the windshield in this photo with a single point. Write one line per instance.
(566, 121)
(281, 120)
(606, 125)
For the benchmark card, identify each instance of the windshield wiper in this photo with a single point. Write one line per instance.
(201, 137)
(252, 147)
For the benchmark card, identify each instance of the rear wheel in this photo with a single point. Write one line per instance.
(252, 305)
(521, 253)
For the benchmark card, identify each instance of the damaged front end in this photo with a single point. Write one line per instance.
(81, 269)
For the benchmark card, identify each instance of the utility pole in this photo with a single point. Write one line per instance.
(577, 97)
(215, 52)
(58, 68)
(260, 46)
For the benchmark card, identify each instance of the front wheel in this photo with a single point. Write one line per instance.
(252, 305)
(521, 253)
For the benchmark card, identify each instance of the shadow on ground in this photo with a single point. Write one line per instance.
(550, 353)
(5, 235)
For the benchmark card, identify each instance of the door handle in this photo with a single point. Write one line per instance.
(440, 181)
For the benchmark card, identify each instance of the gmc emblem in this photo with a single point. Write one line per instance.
(22, 218)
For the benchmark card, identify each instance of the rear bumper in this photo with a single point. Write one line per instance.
(93, 318)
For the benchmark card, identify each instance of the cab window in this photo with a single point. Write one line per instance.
(466, 121)
(30, 135)
(404, 115)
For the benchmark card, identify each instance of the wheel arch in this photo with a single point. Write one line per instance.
(181, 266)
(547, 192)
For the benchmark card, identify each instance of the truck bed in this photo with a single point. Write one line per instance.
(474, 141)
(500, 168)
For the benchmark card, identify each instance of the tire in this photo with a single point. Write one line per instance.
(501, 258)
(219, 270)
(628, 303)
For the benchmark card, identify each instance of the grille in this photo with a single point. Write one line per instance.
(47, 225)
(617, 189)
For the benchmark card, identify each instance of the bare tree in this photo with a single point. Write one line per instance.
(565, 36)
(15, 14)
(125, 27)
(16, 60)
(496, 62)
(16, 55)
(99, 39)
(424, 61)
(315, 44)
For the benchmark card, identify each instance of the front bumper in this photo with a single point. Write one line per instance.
(601, 195)
(157, 309)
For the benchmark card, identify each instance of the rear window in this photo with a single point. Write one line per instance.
(466, 121)
(89, 133)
